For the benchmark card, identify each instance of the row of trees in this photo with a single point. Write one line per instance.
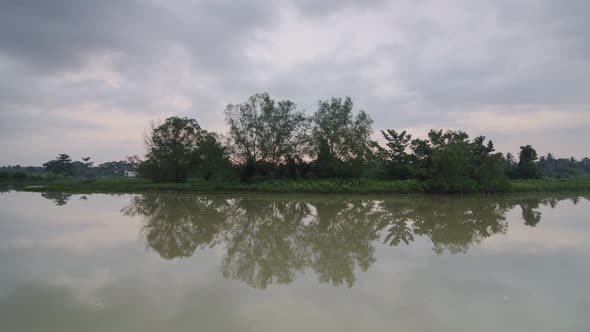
(84, 168)
(563, 167)
(268, 139)
(273, 139)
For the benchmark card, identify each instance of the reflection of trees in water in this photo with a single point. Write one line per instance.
(270, 240)
(530, 206)
(451, 224)
(176, 225)
(58, 198)
(530, 213)
(265, 242)
(4, 188)
(340, 237)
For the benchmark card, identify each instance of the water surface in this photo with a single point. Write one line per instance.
(181, 262)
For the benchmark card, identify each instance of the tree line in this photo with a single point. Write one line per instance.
(268, 139)
(64, 167)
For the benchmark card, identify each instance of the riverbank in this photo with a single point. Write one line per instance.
(361, 186)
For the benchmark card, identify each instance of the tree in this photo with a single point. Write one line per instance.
(264, 131)
(341, 137)
(113, 168)
(172, 149)
(283, 132)
(62, 164)
(449, 162)
(133, 161)
(87, 162)
(397, 160)
(527, 168)
(245, 127)
(212, 157)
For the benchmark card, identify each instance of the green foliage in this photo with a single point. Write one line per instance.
(561, 168)
(446, 161)
(324, 186)
(272, 140)
(61, 165)
(115, 168)
(347, 137)
(527, 168)
(550, 185)
(395, 160)
(212, 158)
(20, 176)
(180, 146)
(171, 149)
(264, 133)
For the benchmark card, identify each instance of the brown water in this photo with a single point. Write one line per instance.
(169, 262)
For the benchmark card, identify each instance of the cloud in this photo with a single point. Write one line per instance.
(474, 65)
(523, 119)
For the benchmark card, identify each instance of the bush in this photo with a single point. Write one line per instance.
(19, 175)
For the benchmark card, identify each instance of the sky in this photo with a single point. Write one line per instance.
(88, 77)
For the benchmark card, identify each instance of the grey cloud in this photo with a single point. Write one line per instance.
(538, 55)
(456, 57)
(321, 8)
(63, 33)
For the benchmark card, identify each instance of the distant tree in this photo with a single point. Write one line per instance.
(171, 149)
(87, 162)
(62, 164)
(133, 161)
(527, 168)
(112, 168)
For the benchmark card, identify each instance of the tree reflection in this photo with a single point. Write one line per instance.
(271, 240)
(530, 213)
(59, 199)
(176, 225)
(265, 242)
(340, 237)
(452, 224)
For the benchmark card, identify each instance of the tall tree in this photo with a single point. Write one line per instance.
(340, 140)
(212, 157)
(171, 149)
(347, 136)
(262, 130)
(396, 157)
(87, 162)
(62, 164)
(283, 132)
(245, 127)
(527, 168)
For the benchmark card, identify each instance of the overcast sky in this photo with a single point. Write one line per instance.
(87, 77)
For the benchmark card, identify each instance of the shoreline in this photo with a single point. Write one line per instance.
(334, 186)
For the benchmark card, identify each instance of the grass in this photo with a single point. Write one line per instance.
(333, 186)
(521, 186)
(22, 176)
